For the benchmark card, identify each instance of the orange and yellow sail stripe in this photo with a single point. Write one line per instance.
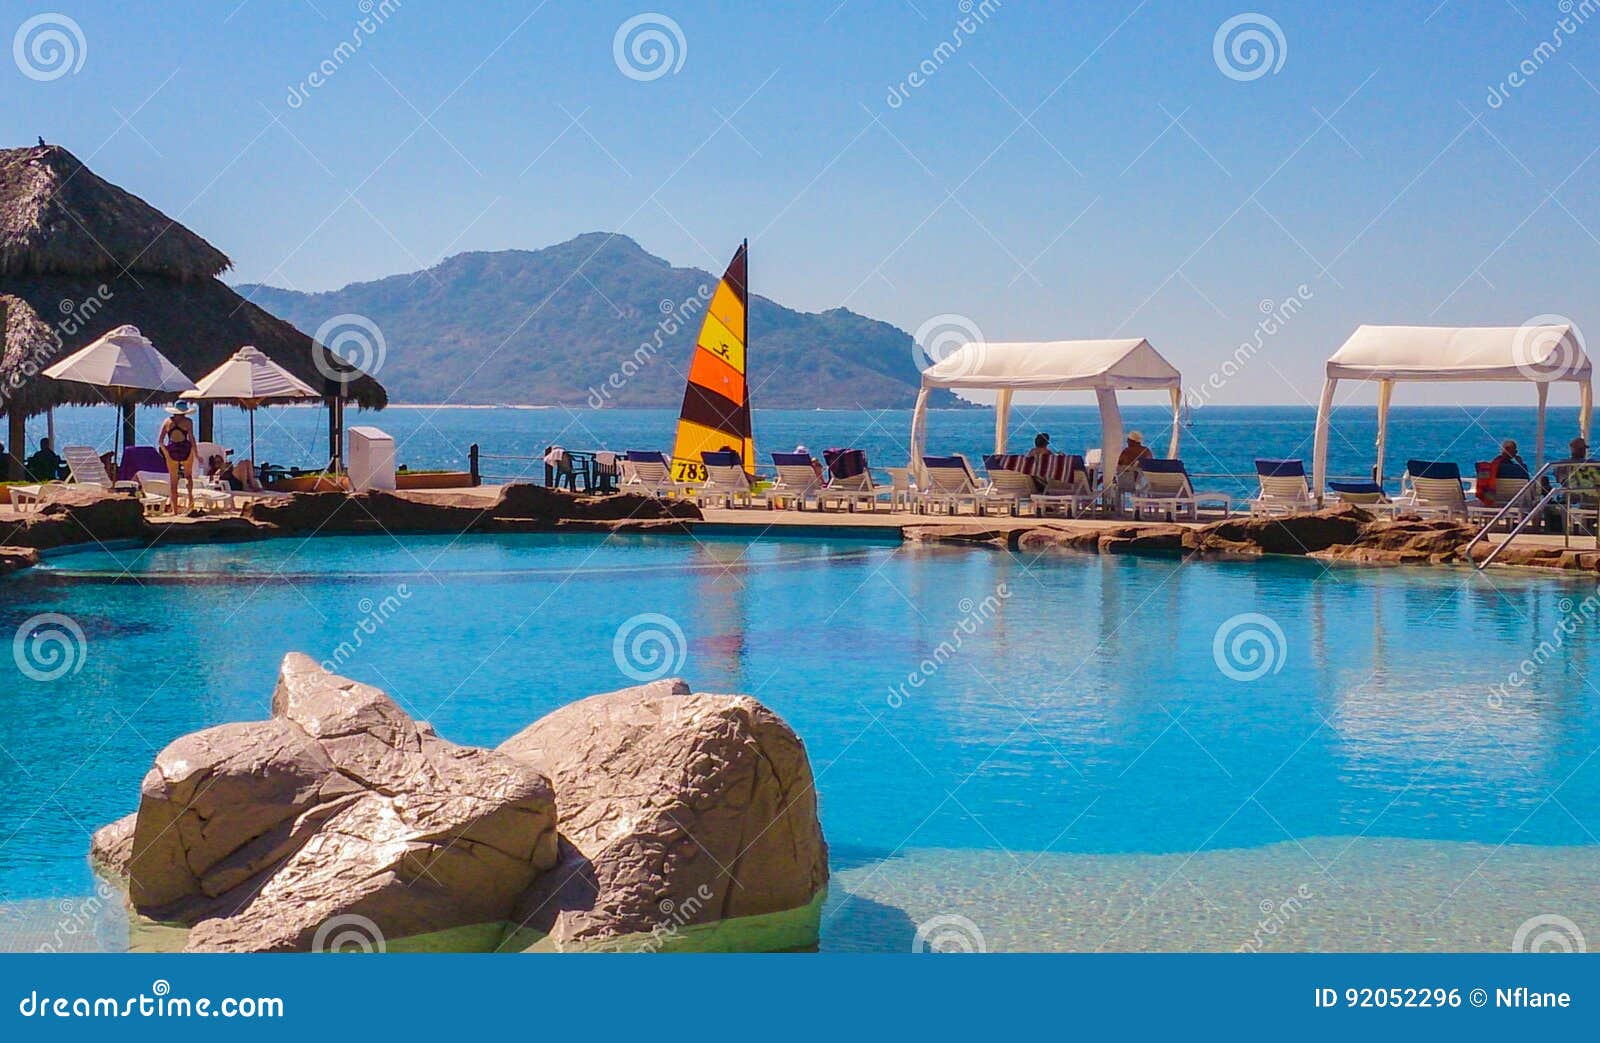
(716, 400)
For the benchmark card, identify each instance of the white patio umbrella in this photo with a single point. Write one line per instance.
(248, 380)
(127, 365)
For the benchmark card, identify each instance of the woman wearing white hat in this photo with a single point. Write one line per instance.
(1128, 473)
(176, 441)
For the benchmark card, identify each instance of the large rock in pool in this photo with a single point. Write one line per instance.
(687, 822)
(339, 810)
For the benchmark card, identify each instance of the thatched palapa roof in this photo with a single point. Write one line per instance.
(80, 256)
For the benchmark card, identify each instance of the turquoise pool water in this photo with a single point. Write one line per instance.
(1076, 739)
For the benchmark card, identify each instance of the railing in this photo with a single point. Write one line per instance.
(1547, 493)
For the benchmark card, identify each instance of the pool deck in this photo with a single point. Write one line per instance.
(756, 521)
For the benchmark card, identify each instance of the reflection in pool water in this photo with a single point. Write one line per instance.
(1085, 730)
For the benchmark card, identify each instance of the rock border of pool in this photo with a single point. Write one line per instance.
(1343, 532)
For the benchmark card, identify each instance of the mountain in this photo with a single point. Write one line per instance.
(568, 324)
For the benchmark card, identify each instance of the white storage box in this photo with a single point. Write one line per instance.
(371, 459)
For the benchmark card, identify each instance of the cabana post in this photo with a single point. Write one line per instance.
(1540, 355)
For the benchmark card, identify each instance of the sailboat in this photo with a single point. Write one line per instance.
(716, 399)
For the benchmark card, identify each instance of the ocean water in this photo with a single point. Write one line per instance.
(1221, 440)
(1062, 752)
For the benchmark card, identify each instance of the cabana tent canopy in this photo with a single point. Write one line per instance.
(1102, 366)
(1540, 355)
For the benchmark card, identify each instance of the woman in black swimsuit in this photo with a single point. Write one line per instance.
(176, 440)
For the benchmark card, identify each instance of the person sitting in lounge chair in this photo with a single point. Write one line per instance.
(816, 465)
(45, 465)
(1128, 474)
(1041, 446)
(1507, 465)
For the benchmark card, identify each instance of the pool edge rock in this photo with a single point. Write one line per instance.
(720, 808)
(342, 817)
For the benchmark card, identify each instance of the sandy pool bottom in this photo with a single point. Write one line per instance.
(1328, 894)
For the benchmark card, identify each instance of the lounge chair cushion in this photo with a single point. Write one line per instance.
(1443, 469)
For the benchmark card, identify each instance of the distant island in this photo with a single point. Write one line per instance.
(597, 321)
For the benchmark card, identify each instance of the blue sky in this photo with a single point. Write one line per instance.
(1072, 170)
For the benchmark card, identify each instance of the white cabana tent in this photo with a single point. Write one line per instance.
(1538, 355)
(250, 379)
(127, 365)
(1102, 366)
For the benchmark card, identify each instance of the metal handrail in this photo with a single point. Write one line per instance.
(1553, 493)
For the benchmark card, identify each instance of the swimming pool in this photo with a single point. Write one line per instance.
(1055, 749)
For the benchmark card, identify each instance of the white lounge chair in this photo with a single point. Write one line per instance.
(797, 481)
(849, 481)
(726, 481)
(1284, 489)
(1067, 488)
(84, 468)
(1008, 487)
(647, 472)
(951, 483)
(1166, 489)
(1432, 489)
(902, 494)
(155, 493)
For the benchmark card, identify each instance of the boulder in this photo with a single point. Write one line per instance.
(76, 514)
(111, 847)
(258, 834)
(514, 508)
(14, 559)
(677, 811)
(1298, 534)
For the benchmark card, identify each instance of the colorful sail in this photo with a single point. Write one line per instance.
(716, 400)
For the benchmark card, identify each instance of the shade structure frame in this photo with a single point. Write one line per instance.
(1386, 355)
(1102, 366)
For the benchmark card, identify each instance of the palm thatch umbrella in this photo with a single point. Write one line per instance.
(250, 380)
(127, 366)
(80, 257)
